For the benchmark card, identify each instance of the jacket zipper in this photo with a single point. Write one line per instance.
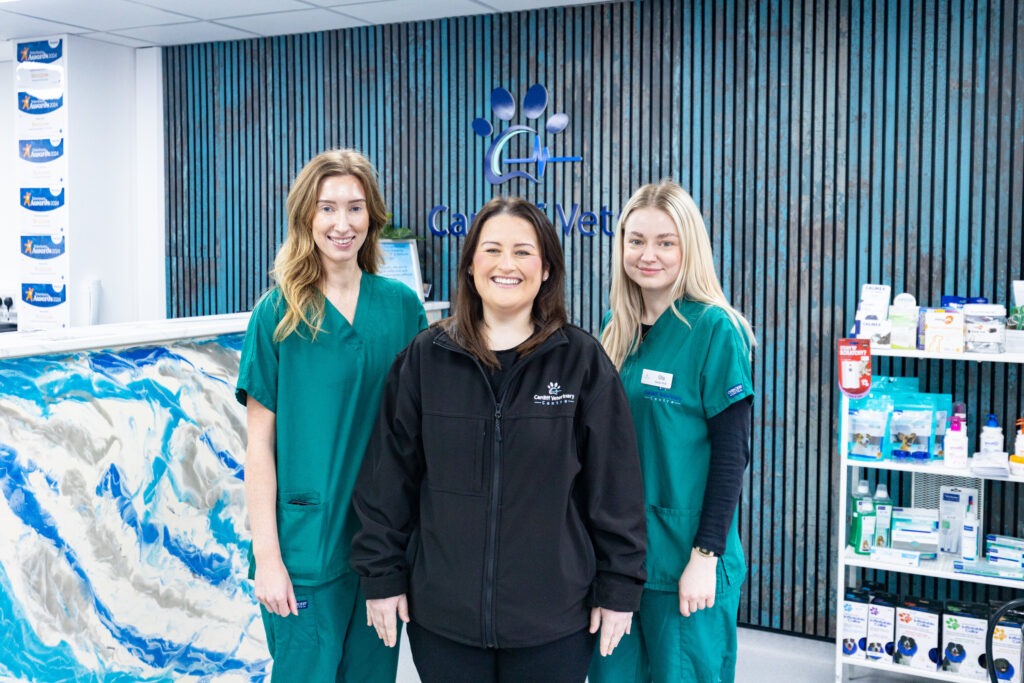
(490, 634)
(491, 549)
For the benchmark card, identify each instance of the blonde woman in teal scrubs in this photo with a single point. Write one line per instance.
(316, 354)
(684, 356)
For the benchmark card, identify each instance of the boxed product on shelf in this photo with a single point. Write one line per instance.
(983, 567)
(854, 631)
(1004, 550)
(964, 626)
(953, 502)
(1007, 542)
(881, 626)
(899, 558)
(916, 529)
(941, 330)
(903, 315)
(1006, 647)
(917, 634)
(985, 328)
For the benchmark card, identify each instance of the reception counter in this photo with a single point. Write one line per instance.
(123, 539)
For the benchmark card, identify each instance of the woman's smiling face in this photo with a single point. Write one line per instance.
(508, 267)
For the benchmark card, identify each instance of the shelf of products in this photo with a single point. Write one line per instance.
(1007, 357)
(942, 567)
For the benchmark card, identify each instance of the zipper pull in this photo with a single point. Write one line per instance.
(497, 423)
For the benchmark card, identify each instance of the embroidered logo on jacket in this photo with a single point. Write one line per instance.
(554, 397)
(734, 391)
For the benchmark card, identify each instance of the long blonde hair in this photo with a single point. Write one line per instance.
(298, 270)
(697, 280)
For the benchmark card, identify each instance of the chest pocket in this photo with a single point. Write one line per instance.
(454, 451)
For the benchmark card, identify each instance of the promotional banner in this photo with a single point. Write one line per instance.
(41, 175)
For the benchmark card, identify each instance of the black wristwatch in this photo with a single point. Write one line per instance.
(704, 551)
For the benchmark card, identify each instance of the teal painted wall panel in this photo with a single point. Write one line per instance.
(829, 144)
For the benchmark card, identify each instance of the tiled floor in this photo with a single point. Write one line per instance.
(763, 657)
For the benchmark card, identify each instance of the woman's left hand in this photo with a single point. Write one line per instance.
(697, 584)
(613, 626)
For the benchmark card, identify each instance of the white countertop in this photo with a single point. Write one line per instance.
(116, 335)
(16, 344)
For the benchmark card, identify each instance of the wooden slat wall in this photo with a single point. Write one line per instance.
(829, 143)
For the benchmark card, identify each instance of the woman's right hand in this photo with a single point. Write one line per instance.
(380, 614)
(274, 589)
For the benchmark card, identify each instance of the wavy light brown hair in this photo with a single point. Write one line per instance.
(298, 269)
(549, 314)
(697, 280)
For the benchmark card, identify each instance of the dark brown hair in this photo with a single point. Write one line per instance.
(549, 312)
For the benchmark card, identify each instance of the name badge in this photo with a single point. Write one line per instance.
(662, 380)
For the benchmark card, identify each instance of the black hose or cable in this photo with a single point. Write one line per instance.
(993, 621)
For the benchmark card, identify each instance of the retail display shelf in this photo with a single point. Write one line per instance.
(906, 670)
(941, 568)
(925, 468)
(1007, 357)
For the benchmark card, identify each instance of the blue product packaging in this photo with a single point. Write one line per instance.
(911, 428)
(868, 420)
(957, 303)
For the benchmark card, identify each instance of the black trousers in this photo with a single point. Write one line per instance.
(440, 660)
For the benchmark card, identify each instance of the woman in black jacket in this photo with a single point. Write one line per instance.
(500, 499)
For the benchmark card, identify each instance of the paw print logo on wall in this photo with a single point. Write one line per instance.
(952, 624)
(503, 105)
(905, 618)
(999, 634)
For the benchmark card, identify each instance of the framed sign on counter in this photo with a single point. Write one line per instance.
(402, 263)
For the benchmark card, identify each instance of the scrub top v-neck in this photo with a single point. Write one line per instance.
(680, 375)
(325, 394)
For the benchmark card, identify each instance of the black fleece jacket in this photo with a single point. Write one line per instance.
(504, 519)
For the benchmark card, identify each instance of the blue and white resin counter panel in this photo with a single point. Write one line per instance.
(122, 525)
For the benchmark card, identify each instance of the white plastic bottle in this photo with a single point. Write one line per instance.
(955, 446)
(883, 516)
(969, 537)
(1018, 442)
(991, 437)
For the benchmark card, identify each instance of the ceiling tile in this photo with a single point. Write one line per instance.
(391, 11)
(181, 34)
(281, 23)
(14, 26)
(517, 5)
(98, 15)
(218, 9)
(117, 40)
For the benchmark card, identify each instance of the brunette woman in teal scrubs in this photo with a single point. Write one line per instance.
(684, 356)
(317, 351)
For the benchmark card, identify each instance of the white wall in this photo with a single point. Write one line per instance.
(8, 158)
(115, 193)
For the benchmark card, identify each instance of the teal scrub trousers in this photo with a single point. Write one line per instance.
(666, 647)
(329, 639)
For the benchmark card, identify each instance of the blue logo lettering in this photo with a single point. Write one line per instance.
(42, 296)
(41, 246)
(42, 51)
(40, 151)
(41, 199)
(35, 105)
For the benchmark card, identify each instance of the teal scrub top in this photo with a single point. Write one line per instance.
(325, 395)
(682, 374)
